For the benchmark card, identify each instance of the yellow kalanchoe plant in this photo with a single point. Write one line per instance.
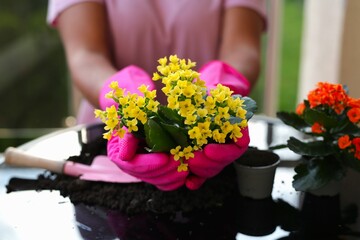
(192, 118)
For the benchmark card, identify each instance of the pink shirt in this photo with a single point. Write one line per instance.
(145, 30)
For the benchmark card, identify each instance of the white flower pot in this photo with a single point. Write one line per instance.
(255, 173)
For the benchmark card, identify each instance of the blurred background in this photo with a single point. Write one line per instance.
(35, 89)
(33, 76)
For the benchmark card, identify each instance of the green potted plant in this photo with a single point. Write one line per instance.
(329, 119)
(193, 116)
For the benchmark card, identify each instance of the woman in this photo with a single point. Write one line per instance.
(102, 38)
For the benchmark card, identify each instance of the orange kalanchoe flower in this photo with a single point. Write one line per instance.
(357, 155)
(356, 143)
(317, 128)
(332, 95)
(300, 108)
(353, 145)
(353, 102)
(344, 142)
(354, 115)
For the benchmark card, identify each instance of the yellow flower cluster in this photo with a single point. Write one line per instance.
(132, 108)
(208, 116)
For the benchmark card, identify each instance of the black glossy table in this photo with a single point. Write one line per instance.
(287, 215)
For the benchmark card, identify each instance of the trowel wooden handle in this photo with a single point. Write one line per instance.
(18, 158)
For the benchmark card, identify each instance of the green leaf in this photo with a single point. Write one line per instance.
(312, 115)
(250, 107)
(157, 139)
(178, 135)
(315, 148)
(316, 173)
(346, 127)
(235, 120)
(293, 120)
(305, 179)
(169, 115)
(351, 161)
(279, 146)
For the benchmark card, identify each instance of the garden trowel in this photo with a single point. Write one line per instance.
(102, 168)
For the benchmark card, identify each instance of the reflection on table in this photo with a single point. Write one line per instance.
(48, 215)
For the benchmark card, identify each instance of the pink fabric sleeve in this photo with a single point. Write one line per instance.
(55, 7)
(258, 6)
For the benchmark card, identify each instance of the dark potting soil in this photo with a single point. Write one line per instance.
(135, 197)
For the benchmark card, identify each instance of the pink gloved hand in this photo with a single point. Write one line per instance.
(159, 169)
(129, 78)
(213, 158)
(215, 72)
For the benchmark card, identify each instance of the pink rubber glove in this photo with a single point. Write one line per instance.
(216, 72)
(213, 158)
(129, 78)
(159, 169)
